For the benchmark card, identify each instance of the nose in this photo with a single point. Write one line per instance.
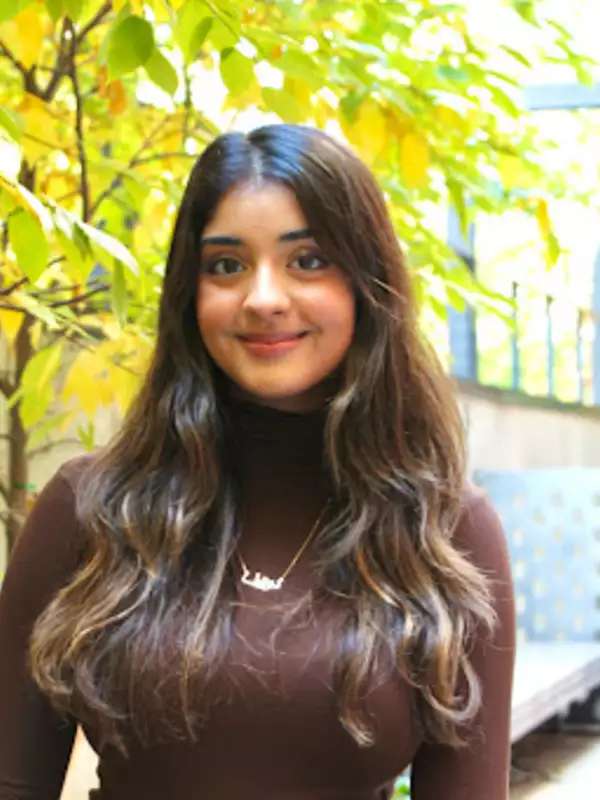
(267, 291)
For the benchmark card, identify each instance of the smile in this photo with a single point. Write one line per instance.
(267, 349)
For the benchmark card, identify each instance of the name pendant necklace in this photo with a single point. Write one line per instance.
(266, 584)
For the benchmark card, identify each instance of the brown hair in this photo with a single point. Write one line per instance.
(160, 506)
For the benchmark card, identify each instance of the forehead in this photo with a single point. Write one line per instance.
(250, 209)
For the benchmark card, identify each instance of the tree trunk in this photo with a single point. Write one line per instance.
(18, 468)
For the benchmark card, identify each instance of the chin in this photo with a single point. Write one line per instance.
(287, 397)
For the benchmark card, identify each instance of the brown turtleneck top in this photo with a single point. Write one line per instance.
(265, 744)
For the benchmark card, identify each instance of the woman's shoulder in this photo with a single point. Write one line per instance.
(50, 544)
(74, 469)
(479, 530)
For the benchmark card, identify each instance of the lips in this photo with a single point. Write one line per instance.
(272, 338)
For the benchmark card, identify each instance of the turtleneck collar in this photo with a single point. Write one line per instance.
(267, 439)
(265, 422)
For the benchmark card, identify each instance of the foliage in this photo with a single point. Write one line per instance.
(105, 105)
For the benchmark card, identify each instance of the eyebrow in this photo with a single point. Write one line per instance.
(289, 236)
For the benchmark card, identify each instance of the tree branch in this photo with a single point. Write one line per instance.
(78, 298)
(27, 73)
(60, 65)
(6, 387)
(116, 180)
(44, 448)
(84, 186)
(13, 286)
(95, 20)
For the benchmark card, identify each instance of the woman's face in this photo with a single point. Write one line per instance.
(262, 274)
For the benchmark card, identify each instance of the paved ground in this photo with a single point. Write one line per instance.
(556, 766)
(546, 766)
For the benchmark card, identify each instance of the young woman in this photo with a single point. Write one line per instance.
(275, 581)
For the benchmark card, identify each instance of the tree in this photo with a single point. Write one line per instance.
(104, 106)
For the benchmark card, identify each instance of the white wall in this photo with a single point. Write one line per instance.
(509, 431)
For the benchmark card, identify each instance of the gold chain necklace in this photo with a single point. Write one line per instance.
(266, 584)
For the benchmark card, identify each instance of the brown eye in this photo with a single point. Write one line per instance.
(213, 266)
(310, 262)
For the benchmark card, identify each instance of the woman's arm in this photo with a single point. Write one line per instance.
(482, 771)
(35, 743)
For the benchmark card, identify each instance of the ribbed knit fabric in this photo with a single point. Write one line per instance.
(278, 735)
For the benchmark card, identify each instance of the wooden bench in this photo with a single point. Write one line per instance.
(551, 518)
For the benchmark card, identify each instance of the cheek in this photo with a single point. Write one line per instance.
(339, 313)
(211, 311)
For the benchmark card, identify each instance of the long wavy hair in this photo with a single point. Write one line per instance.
(160, 504)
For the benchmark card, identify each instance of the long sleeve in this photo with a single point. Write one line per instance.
(481, 771)
(35, 742)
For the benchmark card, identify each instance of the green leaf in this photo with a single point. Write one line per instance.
(36, 382)
(191, 29)
(33, 406)
(73, 8)
(41, 312)
(237, 71)
(10, 8)
(221, 36)
(458, 202)
(298, 64)
(526, 10)
(87, 434)
(161, 72)
(136, 188)
(131, 45)
(516, 55)
(349, 105)
(55, 8)
(452, 73)
(29, 243)
(109, 246)
(12, 123)
(41, 367)
(77, 251)
(119, 294)
(284, 105)
(7, 203)
(14, 397)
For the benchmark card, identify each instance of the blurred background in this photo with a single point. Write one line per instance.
(481, 121)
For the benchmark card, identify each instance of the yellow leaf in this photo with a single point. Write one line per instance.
(125, 377)
(38, 125)
(449, 118)
(414, 159)
(57, 184)
(369, 131)
(300, 90)
(29, 25)
(399, 124)
(515, 174)
(543, 217)
(88, 380)
(10, 323)
(35, 333)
